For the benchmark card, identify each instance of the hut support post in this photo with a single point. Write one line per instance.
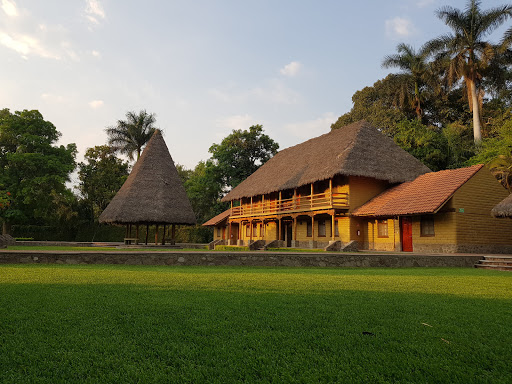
(126, 232)
(156, 234)
(313, 228)
(311, 199)
(137, 232)
(333, 223)
(250, 227)
(147, 233)
(294, 231)
(163, 236)
(173, 234)
(279, 229)
(330, 191)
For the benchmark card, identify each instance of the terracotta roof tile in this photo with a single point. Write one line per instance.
(425, 194)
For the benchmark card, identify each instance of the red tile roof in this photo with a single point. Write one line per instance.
(219, 218)
(425, 194)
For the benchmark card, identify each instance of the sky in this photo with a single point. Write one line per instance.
(203, 67)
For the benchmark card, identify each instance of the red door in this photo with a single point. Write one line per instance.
(406, 232)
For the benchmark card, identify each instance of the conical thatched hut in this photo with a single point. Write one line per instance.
(504, 208)
(153, 194)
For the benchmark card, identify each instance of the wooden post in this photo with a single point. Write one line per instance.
(262, 204)
(250, 228)
(173, 234)
(126, 232)
(156, 234)
(163, 236)
(279, 206)
(332, 227)
(147, 233)
(313, 227)
(330, 191)
(294, 198)
(251, 208)
(229, 233)
(279, 227)
(311, 200)
(137, 232)
(295, 229)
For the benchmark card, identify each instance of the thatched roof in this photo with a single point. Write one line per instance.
(504, 208)
(153, 193)
(357, 149)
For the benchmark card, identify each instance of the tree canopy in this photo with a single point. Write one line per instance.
(101, 176)
(33, 170)
(241, 153)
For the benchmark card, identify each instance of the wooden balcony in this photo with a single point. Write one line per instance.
(296, 204)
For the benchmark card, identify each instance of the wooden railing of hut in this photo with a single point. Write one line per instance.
(296, 204)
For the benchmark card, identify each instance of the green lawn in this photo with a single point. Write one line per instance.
(120, 324)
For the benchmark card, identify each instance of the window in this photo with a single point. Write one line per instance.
(427, 226)
(321, 228)
(382, 228)
(218, 231)
(309, 229)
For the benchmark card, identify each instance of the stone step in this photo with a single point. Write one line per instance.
(496, 262)
(494, 266)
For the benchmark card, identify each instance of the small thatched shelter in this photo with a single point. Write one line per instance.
(504, 208)
(153, 194)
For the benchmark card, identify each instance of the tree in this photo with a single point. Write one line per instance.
(467, 53)
(415, 70)
(130, 135)
(241, 153)
(205, 189)
(32, 169)
(424, 143)
(101, 176)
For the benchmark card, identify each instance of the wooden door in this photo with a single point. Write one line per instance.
(406, 233)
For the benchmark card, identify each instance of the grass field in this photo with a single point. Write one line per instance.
(118, 324)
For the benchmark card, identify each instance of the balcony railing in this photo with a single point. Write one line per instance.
(293, 205)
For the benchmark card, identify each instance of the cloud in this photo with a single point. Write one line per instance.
(292, 69)
(96, 104)
(235, 122)
(51, 98)
(425, 3)
(307, 129)
(399, 27)
(9, 8)
(26, 45)
(27, 36)
(271, 91)
(94, 11)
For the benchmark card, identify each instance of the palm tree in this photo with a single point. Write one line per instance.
(467, 53)
(414, 68)
(130, 135)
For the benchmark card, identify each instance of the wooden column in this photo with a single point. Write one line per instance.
(332, 227)
(279, 206)
(126, 232)
(330, 191)
(294, 198)
(147, 233)
(163, 236)
(311, 200)
(278, 229)
(251, 208)
(313, 227)
(250, 228)
(156, 234)
(229, 233)
(262, 204)
(295, 228)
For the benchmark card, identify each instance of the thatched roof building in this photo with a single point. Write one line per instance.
(504, 208)
(358, 149)
(153, 193)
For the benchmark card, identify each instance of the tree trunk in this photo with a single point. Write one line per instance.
(477, 127)
(418, 102)
(6, 228)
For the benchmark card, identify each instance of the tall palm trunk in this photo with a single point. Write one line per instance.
(477, 127)
(418, 102)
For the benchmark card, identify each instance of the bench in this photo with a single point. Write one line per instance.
(131, 240)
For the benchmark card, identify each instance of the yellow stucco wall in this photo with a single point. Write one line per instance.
(363, 189)
(473, 203)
